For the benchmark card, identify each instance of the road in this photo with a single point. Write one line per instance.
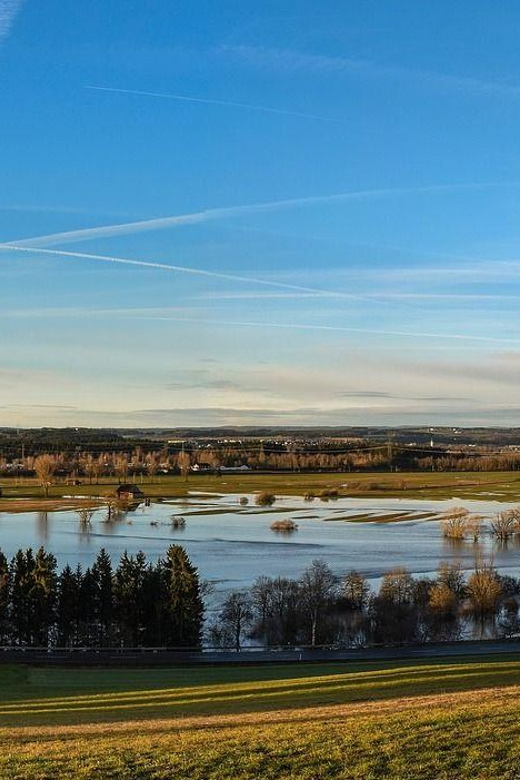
(167, 657)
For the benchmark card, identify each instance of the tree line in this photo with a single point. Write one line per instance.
(320, 608)
(139, 462)
(140, 604)
(135, 604)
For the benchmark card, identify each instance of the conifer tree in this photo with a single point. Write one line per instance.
(21, 569)
(88, 634)
(103, 597)
(4, 599)
(129, 613)
(182, 604)
(68, 606)
(43, 598)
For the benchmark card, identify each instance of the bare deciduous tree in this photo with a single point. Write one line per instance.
(318, 586)
(484, 589)
(152, 465)
(44, 467)
(454, 523)
(356, 590)
(506, 524)
(233, 620)
(85, 514)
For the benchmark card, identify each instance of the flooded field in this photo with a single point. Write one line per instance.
(232, 544)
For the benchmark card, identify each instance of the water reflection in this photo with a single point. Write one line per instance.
(178, 522)
(42, 525)
(502, 545)
(231, 542)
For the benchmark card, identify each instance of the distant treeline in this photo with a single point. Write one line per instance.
(135, 604)
(126, 462)
(322, 609)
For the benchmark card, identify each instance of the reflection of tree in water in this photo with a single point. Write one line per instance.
(178, 522)
(85, 516)
(503, 545)
(42, 525)
(116, 512)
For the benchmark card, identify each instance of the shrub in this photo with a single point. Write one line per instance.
(329, 493)
(285, 526)
(265, 499)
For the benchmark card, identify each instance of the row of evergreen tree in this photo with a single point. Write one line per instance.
(136, 604)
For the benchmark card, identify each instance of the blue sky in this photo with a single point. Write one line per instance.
(320, 204)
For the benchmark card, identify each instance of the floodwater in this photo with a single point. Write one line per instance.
(232, 545)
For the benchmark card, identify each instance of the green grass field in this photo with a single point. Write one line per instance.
(449, 719)
(500, 486)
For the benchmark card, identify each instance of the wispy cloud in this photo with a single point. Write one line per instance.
(71, 312)
(458, 269)
(278, 289)
(37, 406)
(8, 11)
(289, 60)
(367, 394)
(220, 103)
(208, 215)
(58, 209)
(381, 295)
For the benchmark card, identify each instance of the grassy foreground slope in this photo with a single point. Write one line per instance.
(415, 720)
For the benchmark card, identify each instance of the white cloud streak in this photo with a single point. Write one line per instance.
(390, 296)
(208, 215)
(8, 11)
(341, 329)
(292, 61)
(182, 269)
(219, 103)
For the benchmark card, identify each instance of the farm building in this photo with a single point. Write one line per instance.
(128, 492)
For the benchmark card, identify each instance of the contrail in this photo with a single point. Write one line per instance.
(184, 270)
(265, 282)
(224, 103)
(339, 328)
(207, 215)
(336, 328)
(8, 11)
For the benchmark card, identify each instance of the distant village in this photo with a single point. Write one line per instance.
(91, 454)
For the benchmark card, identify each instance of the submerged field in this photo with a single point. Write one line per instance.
(26, 495)
(394, 720)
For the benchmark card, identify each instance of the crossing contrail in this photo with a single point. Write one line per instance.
(184, 270)
(264, 282)
(208, 215)
(222, 103)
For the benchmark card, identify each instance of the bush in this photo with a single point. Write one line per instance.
(285, 526)
(329, 493)
(265, 499)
